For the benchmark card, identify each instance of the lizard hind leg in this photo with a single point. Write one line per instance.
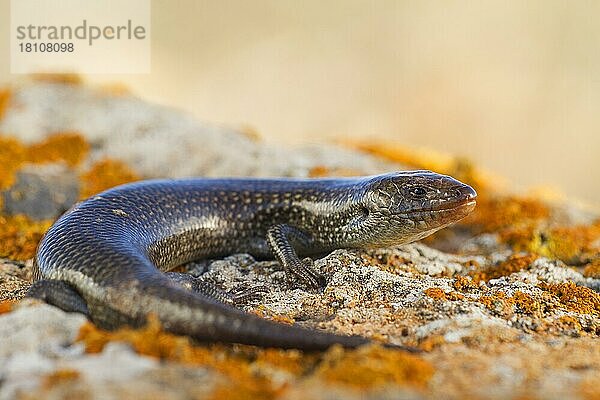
(59, 294)
(238, 296)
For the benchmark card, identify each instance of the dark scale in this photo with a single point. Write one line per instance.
(104, 256)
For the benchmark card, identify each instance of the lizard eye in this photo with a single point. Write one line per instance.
(418, 192)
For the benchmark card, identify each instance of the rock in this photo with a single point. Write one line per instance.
(150, 137)
(42, 192)
(532, 331)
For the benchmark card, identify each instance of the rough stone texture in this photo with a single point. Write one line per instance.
(42, 192)
(509, 337)
(161, 142)
(15, 279)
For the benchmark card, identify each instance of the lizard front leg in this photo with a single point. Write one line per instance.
(281, 239)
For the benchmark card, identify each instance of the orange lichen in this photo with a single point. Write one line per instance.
(237, 391)
(507, 212)
(574, 298)
(499, 303)
(464, 284)
(69, 147)
(571, 243)
(514, 263)
(435, 293)
(19, 236)
(588, 388)
(391, 263)
(458, 167)
(59, 377)
(292, 361)
(522, 223)
(4, 101)
(264, 312)
(6, 306)
(439, 294)
(526, 304)
(506, 306)
(152, 341)
(114, 89)
(12, 156)
(366, 367)
(322, 172)
(432, 342)
(105, 174)
(373, 366)
(568, 323)
(592, 270)
(66, 78)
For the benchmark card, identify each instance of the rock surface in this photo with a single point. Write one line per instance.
(494, 322)
(42, 192)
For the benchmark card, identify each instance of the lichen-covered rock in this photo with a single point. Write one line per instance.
(504, 305)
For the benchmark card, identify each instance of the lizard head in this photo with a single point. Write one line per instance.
(403, 207)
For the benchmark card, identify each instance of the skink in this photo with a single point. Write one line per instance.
(106, 256)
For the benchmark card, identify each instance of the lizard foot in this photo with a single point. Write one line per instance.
(59, 294)
(304, 272)
(236, 296)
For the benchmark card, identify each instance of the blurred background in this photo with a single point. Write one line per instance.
(512, 85)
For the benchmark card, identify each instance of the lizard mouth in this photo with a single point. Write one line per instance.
(459, 210)
(467, 203)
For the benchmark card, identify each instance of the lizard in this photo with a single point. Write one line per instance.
(108, 257)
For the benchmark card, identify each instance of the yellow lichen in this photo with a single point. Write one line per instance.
(522, 223)
(19, 236)
(69, 147)
(435, 293)
(572, 244)
(574, 298)
(105, 174)
(372, 366)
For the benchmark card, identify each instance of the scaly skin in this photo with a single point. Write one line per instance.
(104, 256)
